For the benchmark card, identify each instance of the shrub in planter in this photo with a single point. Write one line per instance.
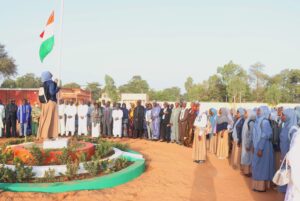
(93, 167)
(22, 173)
(37, 154)
(119, 164)
(72, 168)
(7, 175)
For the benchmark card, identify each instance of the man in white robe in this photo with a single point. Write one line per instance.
(117, 115)
(61, 115)
(71, 112)
(82, 112)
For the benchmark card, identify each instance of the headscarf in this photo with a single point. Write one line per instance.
(297, 111)
(291, 119)
(223, 116)
(251, 116)
(231, 121)
(46, 76)
(213, 119)
(257, 131)
(241, 111)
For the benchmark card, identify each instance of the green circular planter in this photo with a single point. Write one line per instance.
(97, 183)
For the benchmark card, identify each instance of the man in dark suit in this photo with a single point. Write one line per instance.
(139, 116)
(11, 118)
(165, 114)
(107, 120)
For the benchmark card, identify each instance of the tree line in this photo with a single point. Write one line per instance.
(230, 83)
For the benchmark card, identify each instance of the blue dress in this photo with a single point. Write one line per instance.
(262, 167)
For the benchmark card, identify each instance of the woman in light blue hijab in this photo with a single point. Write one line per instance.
(263, 156)
(289, 120)
(48, 123)
(247, 131)
(212, 130)
(297, 111)
(235, 160)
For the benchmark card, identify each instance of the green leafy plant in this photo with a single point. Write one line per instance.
(64, 157)
(49, 175)
(83, 157)
(120, 146)
(7, 175)
(103, 149)
(37, 155)
(6, 156)
(72, 168)
(119, 164)
(93, 167)
(22, 173)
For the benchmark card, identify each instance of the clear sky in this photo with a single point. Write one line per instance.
(164, 41)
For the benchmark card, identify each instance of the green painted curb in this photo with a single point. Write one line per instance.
(97, 183)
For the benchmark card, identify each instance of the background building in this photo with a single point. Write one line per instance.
(31, 94)
(132, 98)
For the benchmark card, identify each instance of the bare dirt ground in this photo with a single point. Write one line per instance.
(170, 176)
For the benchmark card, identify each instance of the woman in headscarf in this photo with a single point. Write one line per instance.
(237, 138)
(289, 120)
(246, 158)
(48, 124)
(199, 145)
(223, 123)
(263, 156)
(297, 111)
(293, 190)
(212, 124)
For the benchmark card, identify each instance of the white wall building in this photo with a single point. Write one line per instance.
(132, 98)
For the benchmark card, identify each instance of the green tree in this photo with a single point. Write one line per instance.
(273, 94)
(258, 79)
(216, 90)
(135, 85)
(288, 81)
(71, 85)
(235, 79)
(7, 64)
(94, 88)
(110, 88)
(9, 83)
(168, 94)
(189, 83)
(28, 81)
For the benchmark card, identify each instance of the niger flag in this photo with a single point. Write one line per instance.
(47, 38)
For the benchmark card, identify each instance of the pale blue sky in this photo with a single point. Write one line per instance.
(164, 41)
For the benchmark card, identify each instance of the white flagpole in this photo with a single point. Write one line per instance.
(61, 38)
(60, 48)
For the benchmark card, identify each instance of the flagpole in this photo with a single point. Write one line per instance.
(61, 39)
(60, 48)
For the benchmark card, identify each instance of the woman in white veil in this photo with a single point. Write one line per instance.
(293, 190)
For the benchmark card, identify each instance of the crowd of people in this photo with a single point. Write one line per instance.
(254, 140)
(24, 115)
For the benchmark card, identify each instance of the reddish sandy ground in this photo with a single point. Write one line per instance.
(170, 176)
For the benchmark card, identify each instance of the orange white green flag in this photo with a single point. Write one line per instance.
(47, 38)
